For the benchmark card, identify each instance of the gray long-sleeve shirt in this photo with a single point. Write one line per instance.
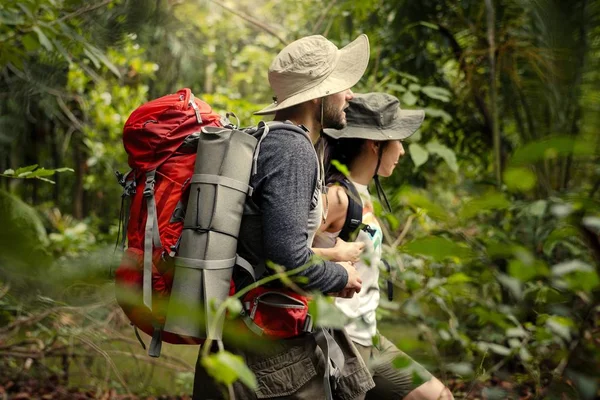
(274, 226)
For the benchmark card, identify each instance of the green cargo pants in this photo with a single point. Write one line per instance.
(293, 369)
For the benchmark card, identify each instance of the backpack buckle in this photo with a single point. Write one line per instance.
(149, 187)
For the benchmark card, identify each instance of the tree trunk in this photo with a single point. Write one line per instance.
(80, 167)
(491, 20)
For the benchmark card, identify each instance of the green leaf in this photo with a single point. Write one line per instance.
(460, 368)
(458, 277)
(490, 201)
(30, 42)
(418, 154)
(226, 368)
(512, 284)
(446, 153)
(341, 167)
(560, 326)
(568, 267)
(396, 87)
(41, 172)
(413, 198)
(495, 348)
(436, 247)
(429, 25)
(437, 93)
(549, 148)
(325, 313)
(102, 57)
(592, 223)
(402, 362)
(44, 41)
(409, 99)
(519, 179)
(437, 113)
(26, 169)
(526, 271)
(414, 87)
(234, 307)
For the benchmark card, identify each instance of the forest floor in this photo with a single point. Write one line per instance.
(54, 389)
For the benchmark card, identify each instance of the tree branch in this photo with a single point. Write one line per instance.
(82, 10)
(322, 17)
(253, 21)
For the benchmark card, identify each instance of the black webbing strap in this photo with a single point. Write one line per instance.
(354, 213)
(390, 285)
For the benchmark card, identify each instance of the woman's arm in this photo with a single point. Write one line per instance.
(336, 203)
(342, 251)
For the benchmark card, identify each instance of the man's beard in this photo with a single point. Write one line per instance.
(332, 117)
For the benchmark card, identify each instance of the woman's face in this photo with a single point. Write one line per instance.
(389, 159)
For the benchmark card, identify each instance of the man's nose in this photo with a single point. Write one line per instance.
(349, 95)
(402, 152)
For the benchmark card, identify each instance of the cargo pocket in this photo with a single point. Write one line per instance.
(279, 380)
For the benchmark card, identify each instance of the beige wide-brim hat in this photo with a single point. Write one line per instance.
(377, 116)
(313, 67)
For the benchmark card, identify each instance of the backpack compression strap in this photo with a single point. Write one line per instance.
(151, 237)
(354, 213)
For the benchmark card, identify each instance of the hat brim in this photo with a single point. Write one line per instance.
(351, 66)
(407, 123)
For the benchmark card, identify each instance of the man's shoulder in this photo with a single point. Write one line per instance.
(284, 137)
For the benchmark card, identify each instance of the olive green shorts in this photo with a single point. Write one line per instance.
(391, 382)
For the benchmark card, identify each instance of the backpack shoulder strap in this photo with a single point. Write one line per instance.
(354, 213)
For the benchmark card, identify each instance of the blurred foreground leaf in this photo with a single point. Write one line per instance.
(226, 368)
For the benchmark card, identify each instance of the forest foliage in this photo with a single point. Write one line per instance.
(495, 234)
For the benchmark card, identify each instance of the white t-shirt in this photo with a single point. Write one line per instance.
(362, 305)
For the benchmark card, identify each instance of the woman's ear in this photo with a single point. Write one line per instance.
(373, 146)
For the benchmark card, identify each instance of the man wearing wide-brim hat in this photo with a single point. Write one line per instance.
(311, 79)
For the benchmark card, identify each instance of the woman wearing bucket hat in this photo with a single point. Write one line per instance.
(370, 146)
(311, 79)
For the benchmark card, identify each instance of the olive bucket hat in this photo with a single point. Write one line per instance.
(313, 67)
(378, 116)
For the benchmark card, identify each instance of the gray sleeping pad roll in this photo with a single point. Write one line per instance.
(207, 251)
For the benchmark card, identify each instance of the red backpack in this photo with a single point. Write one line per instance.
(158, 139)
(157, 187)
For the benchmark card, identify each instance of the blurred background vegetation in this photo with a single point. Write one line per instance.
(495, 234)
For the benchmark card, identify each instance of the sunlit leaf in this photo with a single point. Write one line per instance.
(402, 362)
(43, 38)
(437, 113)
(325, 313)
(568, 267)
(593, 223)
(413, 198)
(549, 148)
(409, 99)
(436, 247)
(460, 368)
(437, 93)
(526, 271)
(488, 202)
(495, 348)
(560, 325)
(418, 154)
(458, 277)
(519, 179)
(226, 368)
(21, 170)
(445, 152)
